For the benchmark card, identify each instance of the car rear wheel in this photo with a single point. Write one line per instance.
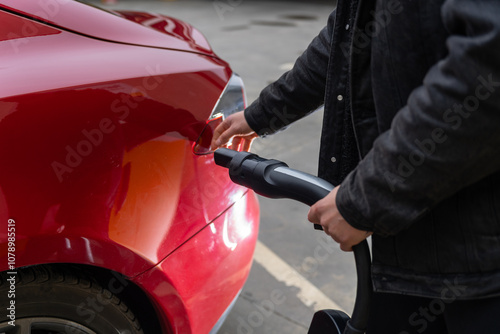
(53, 300)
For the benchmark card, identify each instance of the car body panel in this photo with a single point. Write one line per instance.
(172, 27)
(192, 292)
(90, 21)
(146, 107)
(30, 56)
(96, 144)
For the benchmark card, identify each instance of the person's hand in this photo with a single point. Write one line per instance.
(326, 214)
(233, 127)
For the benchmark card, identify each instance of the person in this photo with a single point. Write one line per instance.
(411, 139)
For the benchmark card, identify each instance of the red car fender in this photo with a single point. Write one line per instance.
(101, 160)
(188, 304)
(98, 168)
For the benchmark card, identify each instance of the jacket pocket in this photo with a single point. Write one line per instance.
(479, 212)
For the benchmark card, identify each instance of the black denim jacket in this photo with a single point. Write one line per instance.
(411, 131)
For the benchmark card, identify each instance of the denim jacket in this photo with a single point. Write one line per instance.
(411, 131)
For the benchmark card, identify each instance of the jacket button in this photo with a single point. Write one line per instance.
(346, 27)
(333, 159)
(340, 97)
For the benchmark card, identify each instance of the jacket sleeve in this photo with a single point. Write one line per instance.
(446, 138)
(297, 92)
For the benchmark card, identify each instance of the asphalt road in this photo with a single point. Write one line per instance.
(296, 269)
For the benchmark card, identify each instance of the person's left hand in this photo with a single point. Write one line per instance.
(326, 214)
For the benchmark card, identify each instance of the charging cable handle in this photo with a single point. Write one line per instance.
(274, 179)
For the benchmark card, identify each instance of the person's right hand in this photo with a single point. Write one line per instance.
(233, 127)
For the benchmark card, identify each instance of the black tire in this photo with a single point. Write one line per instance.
(59, 300)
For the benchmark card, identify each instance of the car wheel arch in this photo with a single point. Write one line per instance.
(121, 286)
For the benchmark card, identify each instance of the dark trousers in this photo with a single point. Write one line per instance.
(399, 314)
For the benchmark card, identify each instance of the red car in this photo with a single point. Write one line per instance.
(114, 217)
